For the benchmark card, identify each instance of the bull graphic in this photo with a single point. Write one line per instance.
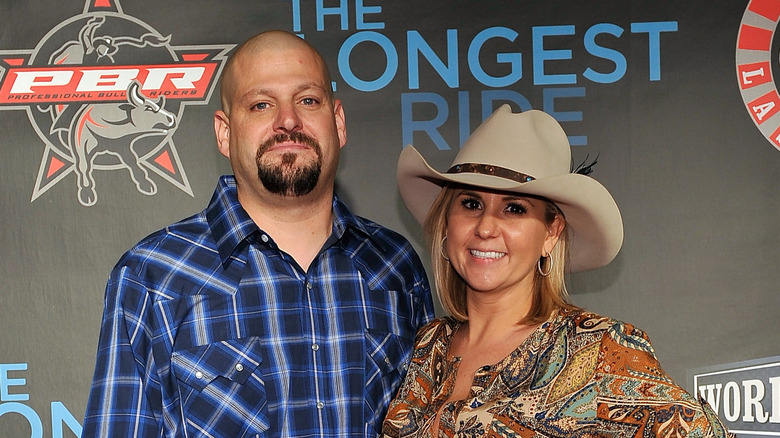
(99, 129)
(100, 49)
(110, 131)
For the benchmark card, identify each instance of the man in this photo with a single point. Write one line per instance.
(275, 311)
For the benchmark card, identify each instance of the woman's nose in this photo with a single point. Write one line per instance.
(486, 227)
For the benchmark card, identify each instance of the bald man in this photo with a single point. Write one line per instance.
(275, 311)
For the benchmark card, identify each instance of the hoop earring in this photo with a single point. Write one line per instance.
(441, 249)
(549, 265)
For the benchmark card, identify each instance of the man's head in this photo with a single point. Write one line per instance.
(280, 125)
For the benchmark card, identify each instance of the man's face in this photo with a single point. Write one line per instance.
(283, 128)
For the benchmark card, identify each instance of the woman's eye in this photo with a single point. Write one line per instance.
(470, 204)
(515, 208)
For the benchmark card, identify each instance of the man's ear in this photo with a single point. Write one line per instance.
(222, 131)
(341, 123)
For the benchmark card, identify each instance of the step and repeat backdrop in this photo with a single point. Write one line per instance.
(677, 101)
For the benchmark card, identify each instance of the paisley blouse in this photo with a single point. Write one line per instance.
(578, 375)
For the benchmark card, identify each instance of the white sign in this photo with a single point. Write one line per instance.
(745, 395)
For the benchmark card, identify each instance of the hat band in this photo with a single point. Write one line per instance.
(489, 169)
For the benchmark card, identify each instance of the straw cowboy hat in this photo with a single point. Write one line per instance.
(525, 153)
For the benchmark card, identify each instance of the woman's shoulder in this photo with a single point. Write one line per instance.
(441, 326)
(583, 320)
(583, 323)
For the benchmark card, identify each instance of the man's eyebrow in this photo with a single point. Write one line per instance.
(269, 92)
(312, 84)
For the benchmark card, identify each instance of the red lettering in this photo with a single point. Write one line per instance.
(109, 84)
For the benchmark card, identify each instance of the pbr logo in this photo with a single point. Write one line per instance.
(105, 91)
(758, 65)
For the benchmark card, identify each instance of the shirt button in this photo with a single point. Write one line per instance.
(320, 405)
(387, 360)
(198, 374)
(239, 367)
(315, 347)
(308, 285)
(264, 238)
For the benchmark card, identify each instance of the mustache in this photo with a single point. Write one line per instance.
(297, 137)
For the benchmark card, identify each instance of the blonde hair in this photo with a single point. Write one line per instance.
(549, 291)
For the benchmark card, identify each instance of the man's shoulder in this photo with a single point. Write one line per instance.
(385, 258)
(383, 233)
(194, 231)
(386, 244)
(362, 226)
(186, 233)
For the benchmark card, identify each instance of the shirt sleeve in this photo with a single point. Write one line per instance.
(634, 390)
(125, 391)
(422, 290)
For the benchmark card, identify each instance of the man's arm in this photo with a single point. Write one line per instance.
(422, 290)
(125, 399)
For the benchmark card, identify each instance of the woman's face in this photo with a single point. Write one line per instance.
(494, 239)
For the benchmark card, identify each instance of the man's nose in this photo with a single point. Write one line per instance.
(287, 118)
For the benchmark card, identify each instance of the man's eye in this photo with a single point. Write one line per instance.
(309, 101)
(260, 106)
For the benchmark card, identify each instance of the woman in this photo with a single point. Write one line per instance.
(514, 357)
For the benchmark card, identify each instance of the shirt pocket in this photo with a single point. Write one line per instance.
(386, 363)
(221, 388)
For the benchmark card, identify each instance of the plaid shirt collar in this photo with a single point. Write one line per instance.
(232, 225)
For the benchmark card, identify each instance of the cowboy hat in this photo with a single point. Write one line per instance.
(526, 153)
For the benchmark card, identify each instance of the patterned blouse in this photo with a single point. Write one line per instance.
(578, 375)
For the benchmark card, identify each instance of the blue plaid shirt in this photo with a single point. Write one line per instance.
(210, 330)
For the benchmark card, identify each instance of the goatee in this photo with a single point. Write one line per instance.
(287, 178)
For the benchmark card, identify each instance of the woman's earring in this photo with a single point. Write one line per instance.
(549, 265)
(441, 250)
